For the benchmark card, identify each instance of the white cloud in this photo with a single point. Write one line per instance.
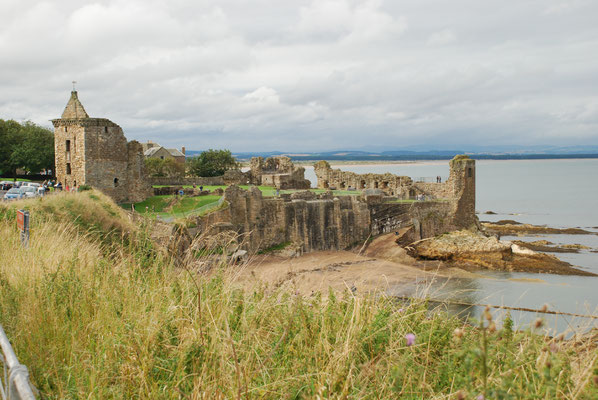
(308, 74)
(442, 37)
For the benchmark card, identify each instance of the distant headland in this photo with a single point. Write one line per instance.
(406, 155)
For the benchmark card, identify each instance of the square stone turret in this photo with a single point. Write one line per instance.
(95, 152)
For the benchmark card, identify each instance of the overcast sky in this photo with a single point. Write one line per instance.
(305, 75)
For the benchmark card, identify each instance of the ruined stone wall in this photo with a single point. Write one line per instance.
(278, 172)
(317, 224)
(428, 218)
(324, 222)
(106, 159)
(393, 185)
(138, 187)
(462, 181)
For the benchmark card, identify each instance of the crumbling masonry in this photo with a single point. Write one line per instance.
(327, 222)
(95, 152)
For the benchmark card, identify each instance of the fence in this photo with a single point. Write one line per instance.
(430, 179)
(14, 382)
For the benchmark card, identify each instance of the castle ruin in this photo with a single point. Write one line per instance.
(95, 152)
(325, 221)
(279, 172)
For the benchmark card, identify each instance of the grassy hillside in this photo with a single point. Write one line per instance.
(95, 312)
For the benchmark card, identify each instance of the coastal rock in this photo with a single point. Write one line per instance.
(546, 246)
(508, 227)
(474, 250)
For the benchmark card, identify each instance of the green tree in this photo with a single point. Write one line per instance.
(27, 146)
(211, 163)
(35, 152)
(10, 138)
(168, 167)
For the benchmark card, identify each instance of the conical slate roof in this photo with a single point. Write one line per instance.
(74, 109)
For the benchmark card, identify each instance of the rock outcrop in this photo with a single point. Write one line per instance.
(472, 249)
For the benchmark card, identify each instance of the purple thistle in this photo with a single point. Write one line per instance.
(410, 337)
(480, 397)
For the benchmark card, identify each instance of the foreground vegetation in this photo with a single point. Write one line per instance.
(95, 310)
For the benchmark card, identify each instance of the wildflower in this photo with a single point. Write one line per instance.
(480, 397)
(538, 323)
(544, 308)
(401, 310)
(458, 332)
(492, 327)
(410, 337)
(560, 337)
(487, 314)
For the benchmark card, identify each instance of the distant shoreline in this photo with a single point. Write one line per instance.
(340, 160)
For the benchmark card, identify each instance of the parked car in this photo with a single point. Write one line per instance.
(14, 194)
(29, 191)
(5, 185)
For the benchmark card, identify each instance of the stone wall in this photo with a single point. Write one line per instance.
(322, 223)
(393, 185)
(278, 172)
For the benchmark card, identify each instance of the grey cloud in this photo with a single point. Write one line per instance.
(309, 74)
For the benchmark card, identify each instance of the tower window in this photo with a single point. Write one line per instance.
(105, 129)
(469, 173)
(115, 182)
(68, 145)
(68, 168)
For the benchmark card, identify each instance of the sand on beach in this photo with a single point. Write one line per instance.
(381, 266)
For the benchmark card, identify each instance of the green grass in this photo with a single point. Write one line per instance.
(269, 191)
(276, 247)
(129, 322)
(393, 201)
(12, 179)
(156, 205)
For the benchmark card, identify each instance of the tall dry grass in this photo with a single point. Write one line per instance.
(95, 311)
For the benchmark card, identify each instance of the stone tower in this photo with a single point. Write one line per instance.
(462, 181)
(95, 152)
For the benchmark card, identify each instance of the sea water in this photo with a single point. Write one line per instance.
(556, 193)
